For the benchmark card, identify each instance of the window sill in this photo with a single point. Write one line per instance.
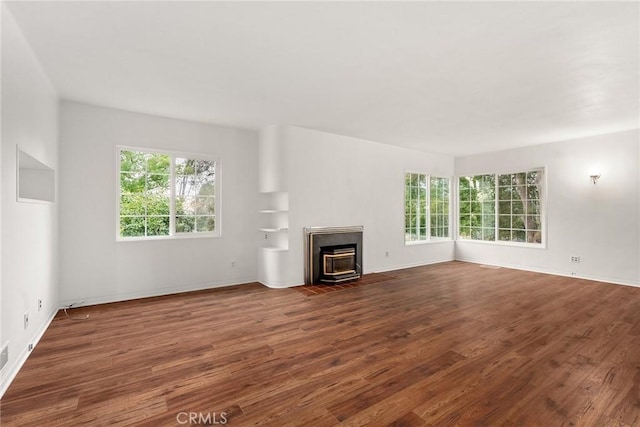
(501, 243)
(427, 242)
(175, 237)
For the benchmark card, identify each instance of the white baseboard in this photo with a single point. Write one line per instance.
(388, 268)
(10, 373)
(125, 296)
(381, 269)
(603, 279)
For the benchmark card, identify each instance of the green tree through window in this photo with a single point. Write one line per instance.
(426, 207)
(164, 195)
(517, 198)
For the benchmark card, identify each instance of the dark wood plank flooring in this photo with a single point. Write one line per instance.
(440, 345)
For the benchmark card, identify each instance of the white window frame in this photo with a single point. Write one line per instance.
(496, 241)
(172, 204)
(429, 239)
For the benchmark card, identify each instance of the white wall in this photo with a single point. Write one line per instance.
(94, 267)
(334, 180)
(29, 230)
(599, 223)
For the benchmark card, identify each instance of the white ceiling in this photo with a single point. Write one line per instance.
(455, 78)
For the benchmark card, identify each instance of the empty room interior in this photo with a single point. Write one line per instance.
(320, 213)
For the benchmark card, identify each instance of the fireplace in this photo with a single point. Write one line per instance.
(333, 254)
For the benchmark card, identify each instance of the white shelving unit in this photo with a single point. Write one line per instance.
(274, 220)
(274, 224)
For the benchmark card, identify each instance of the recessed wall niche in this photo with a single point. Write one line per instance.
(36, 182)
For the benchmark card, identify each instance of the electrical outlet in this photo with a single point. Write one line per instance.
(386, 254)
(233, 263)
(26, 319)
(575, 259)
(39, 304)
(30, 347)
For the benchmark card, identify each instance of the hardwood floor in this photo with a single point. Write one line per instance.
(448, 344)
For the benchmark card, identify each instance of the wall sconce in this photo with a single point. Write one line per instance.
(594, 178)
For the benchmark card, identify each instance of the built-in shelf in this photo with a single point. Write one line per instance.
(273, 249)
(36, 182)
(274, 220)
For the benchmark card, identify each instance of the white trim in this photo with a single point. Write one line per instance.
(433, 241)
(126, 296)
(599, 279)
(410, 265)
(10, 374)
(502, 243)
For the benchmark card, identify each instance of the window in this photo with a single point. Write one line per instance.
(519, 218)
(164, 194)
(439, 195)
(477, 207)
(426, 207)
(504, 208)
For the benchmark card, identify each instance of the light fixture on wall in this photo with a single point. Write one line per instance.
(594, 178)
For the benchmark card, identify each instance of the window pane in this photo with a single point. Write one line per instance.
(504, 207)
(205, 224)
(158, 183)
(488, 207)
(132, 204)
(185, 224)
(158, 205)
(504, 180)
(534, 237)
(488, 233)
(518, 222)
(519, 193)
(157, 226)
(186, 206)
(132, 161)
(533, 207)
(517, 207)
(132, 226)
(504, 235)
(504, 221)
(504, 193)
(205, 206)
(476, 233)
(488, 220)
(158, 164)
(533, 192)
(134, 182)
(533, 222)
(518, 236)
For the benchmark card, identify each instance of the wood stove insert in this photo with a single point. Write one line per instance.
(333, 254)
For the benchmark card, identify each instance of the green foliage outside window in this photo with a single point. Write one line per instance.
(146, 199)
(426, 207)
(517, 200)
